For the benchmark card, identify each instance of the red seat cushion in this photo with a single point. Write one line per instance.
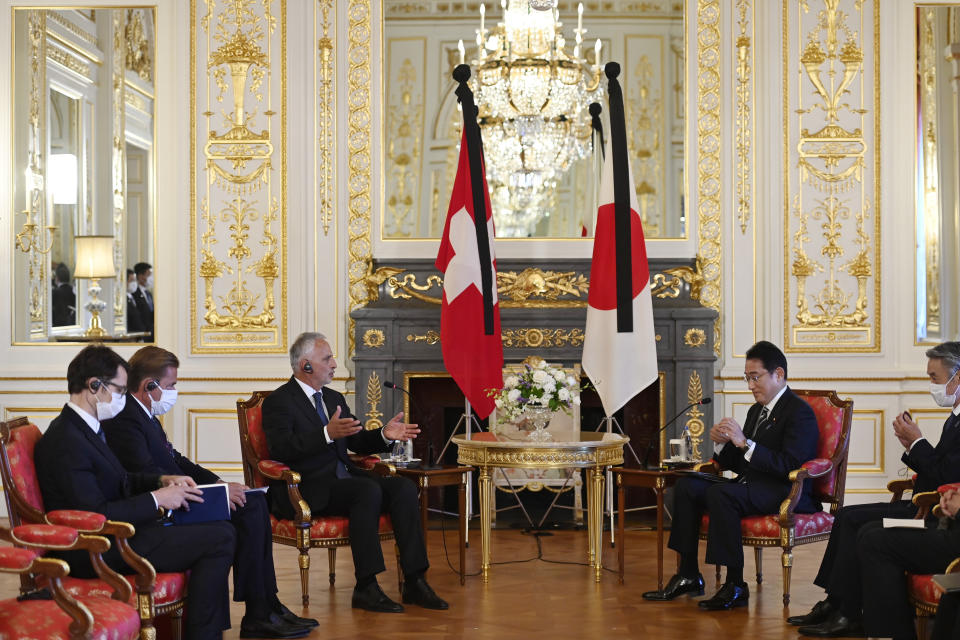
(169, 587)
(112, 620)
(324, 528)
(20, 453)
(920, 587)
(768, 526)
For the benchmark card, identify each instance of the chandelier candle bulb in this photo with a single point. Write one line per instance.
(579, 20)
(596, 53)
(483, 13)
(461, 50)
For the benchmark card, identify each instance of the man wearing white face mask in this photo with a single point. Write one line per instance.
(139, 441)
(840, 614)
(143, 295)
(77, 470)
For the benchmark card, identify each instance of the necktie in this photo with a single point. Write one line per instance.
(166, 441)
(761, 423)
(102, 435)
(341, 468)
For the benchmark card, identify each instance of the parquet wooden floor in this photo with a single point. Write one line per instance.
(543, 600)
(539, 599)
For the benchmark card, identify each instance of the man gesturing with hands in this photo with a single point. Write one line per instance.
(309, 427)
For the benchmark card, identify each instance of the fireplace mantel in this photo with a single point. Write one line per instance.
(542, 312)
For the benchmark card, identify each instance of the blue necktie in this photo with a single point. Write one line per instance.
(321, 411)
(761, 423)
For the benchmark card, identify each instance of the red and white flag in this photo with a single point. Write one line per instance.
(619, 350)
(469, 325)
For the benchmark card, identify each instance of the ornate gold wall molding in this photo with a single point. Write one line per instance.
(326, 180)
(119, 170)
(831, 175)
(373, 338)
(743, 135)
(242, 205)
(37, 267)
(928, 88)
(359, 52)
(545, 337)
(709, 213)
(374, 397)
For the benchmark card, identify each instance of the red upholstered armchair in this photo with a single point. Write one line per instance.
(787, 529)
(67, 615)
(153, 594)
(304, 531)
(923, 594)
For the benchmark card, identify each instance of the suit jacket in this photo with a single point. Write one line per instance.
(789, 439)
(936, 465)
(295, 437)
(141, 445)
(140, 298)
(134, 320)
(77, 470)
(64, 306)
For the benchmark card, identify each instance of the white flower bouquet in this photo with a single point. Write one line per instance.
(539, 385)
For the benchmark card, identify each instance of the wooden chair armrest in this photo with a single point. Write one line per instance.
(54, 571)
(925, 502)
(384, 469)
(817, 467)
(898, 487)
(953, 567)
(797, 476)
(82, 521)
(365, 462)
(710, 466)
(276, 471)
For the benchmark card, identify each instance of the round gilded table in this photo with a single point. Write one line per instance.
(594, 452)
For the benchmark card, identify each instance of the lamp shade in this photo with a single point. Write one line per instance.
(94, 257)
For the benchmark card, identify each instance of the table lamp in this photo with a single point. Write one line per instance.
(94, 261)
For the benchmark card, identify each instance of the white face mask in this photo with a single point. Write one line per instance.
(131, 286)
(168, 398)
(150, 281)
(107, 410)
(940, 395)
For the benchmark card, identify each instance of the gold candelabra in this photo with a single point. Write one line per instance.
(29, 238)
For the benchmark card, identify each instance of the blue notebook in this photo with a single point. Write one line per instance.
(215, 506)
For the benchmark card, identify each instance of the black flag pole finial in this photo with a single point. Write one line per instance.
(621, 200)
(471, 130)
(595, 111)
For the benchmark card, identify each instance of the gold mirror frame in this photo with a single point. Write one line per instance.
(105, 63)
(669, 97)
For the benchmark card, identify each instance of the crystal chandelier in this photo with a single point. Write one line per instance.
(532, 93)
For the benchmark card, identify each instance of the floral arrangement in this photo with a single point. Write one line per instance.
(538, 385)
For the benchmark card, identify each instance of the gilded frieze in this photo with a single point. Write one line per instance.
(238, 230)
(709, 214)
(374, 397)
(928, 89)
(35, 210)
(119, 169)
(743, 135)
(694, 421)
(831, 167)
(326, 100)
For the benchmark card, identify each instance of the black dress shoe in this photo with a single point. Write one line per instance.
(272, 627)
(676, 586)
(729, 596)
(419, 593)
(372, 598)
(836, 626)
(821, 612)
(292, 618)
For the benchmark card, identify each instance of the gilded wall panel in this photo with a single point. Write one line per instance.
(831, 175)
(238, 117)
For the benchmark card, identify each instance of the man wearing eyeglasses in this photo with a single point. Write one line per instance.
(77, 470)
(779, 434)
(840, 614)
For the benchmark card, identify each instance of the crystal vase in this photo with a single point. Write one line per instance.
(539, 416)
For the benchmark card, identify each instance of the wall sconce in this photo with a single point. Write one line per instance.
(29, 237)
(94, 261)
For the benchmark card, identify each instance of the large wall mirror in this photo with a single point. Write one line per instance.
(83, 173)
(542, 160)
(937, 171)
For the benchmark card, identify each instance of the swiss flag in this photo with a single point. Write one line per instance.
(469, 333)
(619, 349)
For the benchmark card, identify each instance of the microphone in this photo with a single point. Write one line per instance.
(428, 463)
(653, 438)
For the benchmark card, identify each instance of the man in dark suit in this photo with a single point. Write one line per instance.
(77, 470)
(64, 307)
(886, 555)
(141, 445)
(143, 296)
(780, 434)
(309, 427)
(134, 321)
(839, 574)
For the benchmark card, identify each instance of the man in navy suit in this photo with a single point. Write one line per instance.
(779, 435)
(840, 571)
(309, 427)
(77, 470)
(140, 443)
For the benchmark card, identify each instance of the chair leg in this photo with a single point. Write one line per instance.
(787, 560)
(921, 625)
(147, 614)
(304, 561)
(332, 562)
(396, 549)
(758, 560)
(718, 575)
(176, 623)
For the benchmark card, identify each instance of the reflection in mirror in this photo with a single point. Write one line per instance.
(422, 122)
(83, 154)
(938, 170)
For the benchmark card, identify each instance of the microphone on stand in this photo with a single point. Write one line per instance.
(428, 462)
(654, 438)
